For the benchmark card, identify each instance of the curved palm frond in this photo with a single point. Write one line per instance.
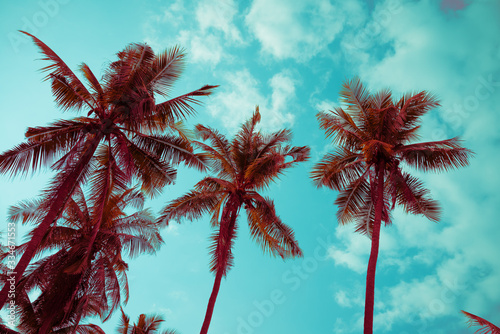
(486, 326)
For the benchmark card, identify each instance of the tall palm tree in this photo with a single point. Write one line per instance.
(124, 124)
(244, 166)
(374, 135)
(146, 324)
(486, 326)
(85, 275)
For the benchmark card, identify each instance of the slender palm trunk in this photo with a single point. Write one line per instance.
(55, 209)
(372, 262)
(228, 221)
(211, 303)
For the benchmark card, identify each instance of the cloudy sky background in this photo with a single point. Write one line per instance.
(290, 58)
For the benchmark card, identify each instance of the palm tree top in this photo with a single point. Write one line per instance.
(252, 159)
(371, 129)
(242, 167)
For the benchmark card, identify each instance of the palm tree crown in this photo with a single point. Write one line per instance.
(374, 136)
(146, 324)
(244, 166)
(84, 276)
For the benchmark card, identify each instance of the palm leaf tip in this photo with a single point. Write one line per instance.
(486, 326)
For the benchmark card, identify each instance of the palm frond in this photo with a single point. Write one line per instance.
(191, 206)
(182, 106)
(486, 326)
(77, 94)
(352, 198)
(435, 156)
(173, 150)
(338, 169)
(268, 229)
(356, 97)
(166, 69)
(339, 126)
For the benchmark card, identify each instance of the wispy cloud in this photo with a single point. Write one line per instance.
(242, 92)
(298, 29)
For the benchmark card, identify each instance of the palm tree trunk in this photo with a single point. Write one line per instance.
(55, 209)
(229, 216)
(88, 252)
(211, 303)
(372, 262)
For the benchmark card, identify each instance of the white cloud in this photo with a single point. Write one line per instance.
(219, 15)
(205, 49)
(298, 29)
(350, 298)
(172, 229)
(355, 250)
(206, 38)
(325, 105)
(237, 102)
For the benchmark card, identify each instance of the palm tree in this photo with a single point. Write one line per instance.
(486, 326)
(374, 135)
(86, 276)
(147, 324)
(243, 167)
(124, 124)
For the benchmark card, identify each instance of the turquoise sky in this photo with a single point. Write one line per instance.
(290, 57)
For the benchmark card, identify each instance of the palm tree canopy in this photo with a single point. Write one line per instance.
(486, 326)
(122, 114)
(146, 324)
(371, 129)
(242, 167)
(79, 280)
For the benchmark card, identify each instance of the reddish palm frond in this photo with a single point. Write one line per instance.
(77, 94)
(26, 211)
(218, 161)
(410, 193)
(191, 206)
(146, 324)
(382, 99)
(89, 329)
(166, 69)
(435, 156)
(96, 87)
(182, 106)
(339, 126)
(338, 169)
(356, 97)
(486, 326)
(45, 144)
(159, 173)
(268, 229)
(352, 198)
(413, 106)
(172, 149)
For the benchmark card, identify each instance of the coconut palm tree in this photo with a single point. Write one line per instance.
(486, 326)
(374, 134)
(85, 275)
(146, 324)
(244, 166)
(124, 123)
